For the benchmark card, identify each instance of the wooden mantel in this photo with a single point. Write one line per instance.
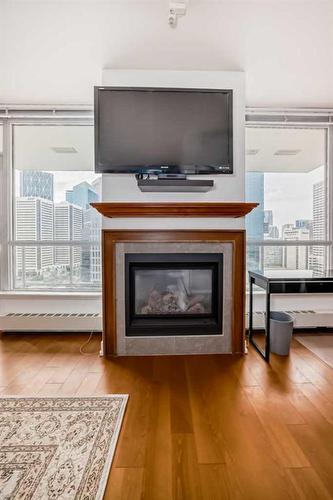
(223, 209)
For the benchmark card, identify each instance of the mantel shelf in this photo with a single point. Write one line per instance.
(224, 209)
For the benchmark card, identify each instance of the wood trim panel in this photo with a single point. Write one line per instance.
(109, 295)
(231, 209)
(112, 237)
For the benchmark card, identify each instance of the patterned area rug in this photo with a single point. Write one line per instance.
(58, 448)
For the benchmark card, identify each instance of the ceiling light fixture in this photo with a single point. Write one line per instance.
(287, 152)
(252, 152)
(64, 149)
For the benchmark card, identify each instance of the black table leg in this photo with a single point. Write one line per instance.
(264, 353)
(251, 309)
(268, 325)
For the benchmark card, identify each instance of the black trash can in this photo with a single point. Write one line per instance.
(281, 330)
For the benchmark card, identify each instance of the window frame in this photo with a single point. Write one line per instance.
(10, 117)
(263, 118)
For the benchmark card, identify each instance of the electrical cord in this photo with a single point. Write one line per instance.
(86, 343)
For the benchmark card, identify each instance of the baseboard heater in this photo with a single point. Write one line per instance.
(83, 322)
(303, 319)
(51, 322)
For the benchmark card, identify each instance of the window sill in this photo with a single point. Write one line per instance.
(41, 294)
(87, 295)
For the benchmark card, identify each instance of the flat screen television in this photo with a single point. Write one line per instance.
(160, 130)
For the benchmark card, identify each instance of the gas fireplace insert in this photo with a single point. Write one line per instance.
(173, 294)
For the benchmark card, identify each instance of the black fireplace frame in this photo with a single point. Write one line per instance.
(138, 325)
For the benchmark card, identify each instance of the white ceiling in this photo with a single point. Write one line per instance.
(55, 51)
(311, 144)
(166, 2)
(33, 147)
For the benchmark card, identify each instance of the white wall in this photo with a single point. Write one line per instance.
(48, 303)
(54, 51)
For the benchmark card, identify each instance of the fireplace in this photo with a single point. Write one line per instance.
(173, 294)
(192, 249)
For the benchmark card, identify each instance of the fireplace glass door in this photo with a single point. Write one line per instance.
(173, 294)
(173, 291)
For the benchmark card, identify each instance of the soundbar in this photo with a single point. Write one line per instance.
(174, 185)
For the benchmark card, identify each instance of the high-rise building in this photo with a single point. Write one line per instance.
(35, 183)
(319, 227)
(295, 257)
(97, 186)
(300, 223)
(91, 256)
(287, 227)
(34, 222)
(273, 233)
(273, 254)
(305, 224)
(254, 190)
(82, 195)
(268, 220)
(273, 257)
(68, 226)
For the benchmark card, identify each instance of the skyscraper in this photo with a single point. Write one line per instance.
(36, 183)
(295, 257)
(34, 221)
(319, 227)
(273, 233)
(91, 256)
(97, 186)
(268, 220)
(82, 195)
(254, 191)
(273, 257)
(67, 226)
(273, 254)
(305, 223)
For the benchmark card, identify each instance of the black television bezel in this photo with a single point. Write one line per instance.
(166, 169)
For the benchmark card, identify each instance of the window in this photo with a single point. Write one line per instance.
(56, 233)
(3, 215)
(50, 237)
(286, 172)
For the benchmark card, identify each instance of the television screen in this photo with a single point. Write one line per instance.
(155, 130)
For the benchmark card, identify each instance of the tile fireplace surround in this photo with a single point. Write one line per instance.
(119, 243)
(172, 344)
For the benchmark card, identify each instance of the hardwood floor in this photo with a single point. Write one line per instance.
(196, 427)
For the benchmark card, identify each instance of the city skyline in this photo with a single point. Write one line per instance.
(56, 206)
(41, 216)
(62, 181)
(295, 189)
(297, 194)
(300, 226)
